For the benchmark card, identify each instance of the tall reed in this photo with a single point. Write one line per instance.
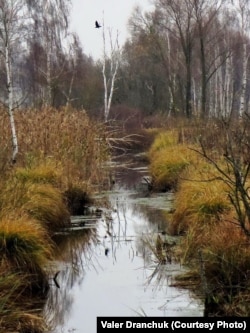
(213, 243)
(58, 150)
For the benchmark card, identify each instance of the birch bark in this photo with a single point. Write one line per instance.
(11, 25)
(243, 11)
(109, 70)
(9, 75)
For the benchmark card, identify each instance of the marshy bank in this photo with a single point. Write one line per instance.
(60, 169)
(61, 157)
(207, 166)
(116, 270)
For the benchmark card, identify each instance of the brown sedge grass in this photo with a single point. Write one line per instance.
(25, 244)
(168, 163)
(11, 290)
(225, 255)
(41, 201)
(205, 217)
(200, 198)
(69, 138)
(58, 149)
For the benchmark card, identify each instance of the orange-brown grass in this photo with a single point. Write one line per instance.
(168, 163)
(25, 247)
(12, 315)
(45, 203)
(32, 206)
(28, 193)
(205, 215)
(214, 245)
(200, 198)
(225, 254)
(163, 140)
(58, 149)
(70, 138)
(46, 172)
(10, 286)
(239, 305)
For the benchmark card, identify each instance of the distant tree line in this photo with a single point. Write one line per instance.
(188, 58)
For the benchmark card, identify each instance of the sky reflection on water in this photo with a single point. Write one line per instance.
(115, 282)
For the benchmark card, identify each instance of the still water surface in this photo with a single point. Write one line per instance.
(108, 269)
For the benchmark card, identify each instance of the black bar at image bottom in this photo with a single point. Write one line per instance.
(211, 324)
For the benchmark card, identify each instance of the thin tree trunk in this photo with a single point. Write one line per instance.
(203, 79)
(111, 90)
(244, 81)
(216, 93)
(188, 88)
(48, 101)
(109, 82)
(228, 87)
(11, 102)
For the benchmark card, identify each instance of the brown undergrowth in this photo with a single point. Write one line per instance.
(61, 155)
(193, 161)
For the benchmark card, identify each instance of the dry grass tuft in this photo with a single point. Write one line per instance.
(24, 244)
(213, 243)
(46, 172)
(58, 150)
(23, 193)
(75, 144)
(163, 140)
(167, 165)
(201, 198)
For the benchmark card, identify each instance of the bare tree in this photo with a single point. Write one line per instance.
(234, 138)
(50, 29)
(110, 65)
(209, 32)
(242, 11)
(73, 47)
(12, 25)
(180, 22)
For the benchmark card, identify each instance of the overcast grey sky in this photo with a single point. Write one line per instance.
(115, 13)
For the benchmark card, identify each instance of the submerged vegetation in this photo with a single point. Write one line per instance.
(61, 155)
(207, 167)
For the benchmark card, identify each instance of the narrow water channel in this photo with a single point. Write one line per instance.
(107, 267)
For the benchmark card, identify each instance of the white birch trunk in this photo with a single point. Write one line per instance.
(194, 98)
(171, 99)
(244, 81)
(217, 87)
(243, 11)
(227, 88)
(109, 79)
(221, 91)
(11, 102)
(104, 76)
(111, 90)
(48, 78)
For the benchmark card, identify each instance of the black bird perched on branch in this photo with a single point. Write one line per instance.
(97, 25)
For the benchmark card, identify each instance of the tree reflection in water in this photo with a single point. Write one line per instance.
(74, 254)
(113, 269)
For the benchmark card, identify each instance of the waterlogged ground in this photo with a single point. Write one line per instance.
(108, 269)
